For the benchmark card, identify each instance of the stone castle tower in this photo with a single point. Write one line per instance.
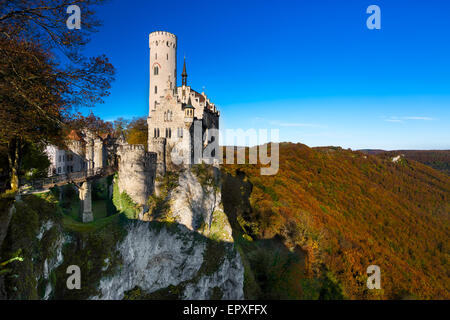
(163, 64)
(180, 119)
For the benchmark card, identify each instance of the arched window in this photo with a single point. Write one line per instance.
(170, 133)
(155, 70)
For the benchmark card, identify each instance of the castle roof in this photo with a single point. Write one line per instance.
(200, 97)
(184, 73)
(73, 135)
(104, 135)
(189, 104)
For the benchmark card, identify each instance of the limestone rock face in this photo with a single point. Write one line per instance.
(155, 258)
(190, 203)
(198, 205)
(229, 278)
(156, 255)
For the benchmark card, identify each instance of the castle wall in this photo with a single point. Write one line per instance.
(99, 154)
(136, 172)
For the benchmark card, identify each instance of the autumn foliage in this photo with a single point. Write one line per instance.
(348, 210)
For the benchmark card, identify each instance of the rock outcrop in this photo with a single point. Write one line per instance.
(193, 254)
(155, 257)
(185, 252)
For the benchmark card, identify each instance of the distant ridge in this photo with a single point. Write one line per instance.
(437, 159)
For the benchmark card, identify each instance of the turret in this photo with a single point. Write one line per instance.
(189, 112)
(163, 64)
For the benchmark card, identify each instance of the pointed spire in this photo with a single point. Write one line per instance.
(184, 74)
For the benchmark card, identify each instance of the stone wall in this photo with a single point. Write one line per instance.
(137, 170)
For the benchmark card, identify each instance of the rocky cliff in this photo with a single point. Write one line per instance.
(184, 249)
(173, 262)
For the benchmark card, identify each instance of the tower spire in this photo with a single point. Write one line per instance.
(184, 74)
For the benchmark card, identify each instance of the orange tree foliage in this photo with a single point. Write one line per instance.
(137, 131)
(349, 210)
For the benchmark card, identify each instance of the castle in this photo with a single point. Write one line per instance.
(175, 111)
(181, 124)
(86, 151)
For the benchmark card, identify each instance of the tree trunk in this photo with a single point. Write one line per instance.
(14, 164)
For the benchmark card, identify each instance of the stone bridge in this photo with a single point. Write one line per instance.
(81, 180)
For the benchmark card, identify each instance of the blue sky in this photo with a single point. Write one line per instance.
(312, 69)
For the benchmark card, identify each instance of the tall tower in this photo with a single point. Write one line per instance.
(163, 65)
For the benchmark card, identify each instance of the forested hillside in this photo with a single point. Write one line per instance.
(437, 159)
(312, 230)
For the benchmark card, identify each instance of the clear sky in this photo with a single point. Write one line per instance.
(311, 68)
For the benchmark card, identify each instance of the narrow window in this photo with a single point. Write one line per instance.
(156, 55)
(167, 56)
(155, 70)
(156, 89)
(155, 105)
(170, 133)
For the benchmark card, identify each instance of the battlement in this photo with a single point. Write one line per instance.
(163, 34)
(162, 38)
(131, 147)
